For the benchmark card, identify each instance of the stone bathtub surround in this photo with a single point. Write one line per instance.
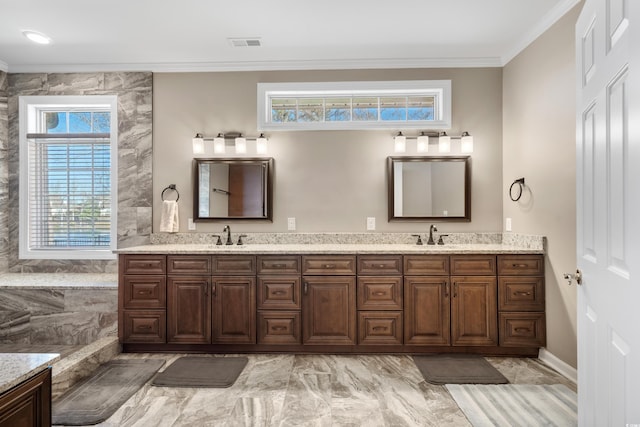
(535, 243)
(71, 309)
(135, 194)
(18, 367)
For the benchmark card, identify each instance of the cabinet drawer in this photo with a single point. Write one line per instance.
(279, 293)
(189, 264)
(380, 328)
(521, 294)
(521, 265)
(145, 291)
(279, 327)
(143, 264)
(426, 265)
(380, 265)
(379, 293)
(145, 326)
(473, 265)
(279, 264)
(234, 264)
(522, 330)
(331, 265)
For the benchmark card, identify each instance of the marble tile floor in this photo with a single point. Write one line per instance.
(315, 390)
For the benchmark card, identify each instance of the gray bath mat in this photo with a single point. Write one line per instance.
(98, 397)
(458, 369)
(201, 372)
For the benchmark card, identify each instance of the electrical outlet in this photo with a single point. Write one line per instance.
(191, 225)
(291, 224)
(507, 224)
(371, 223)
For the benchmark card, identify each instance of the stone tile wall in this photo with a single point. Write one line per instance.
(135, 92)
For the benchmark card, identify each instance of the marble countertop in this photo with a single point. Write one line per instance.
(265, 249)
(59, 280)
(18, 367)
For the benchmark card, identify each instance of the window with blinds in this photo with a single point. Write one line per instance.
(355, 105)
(67, 156)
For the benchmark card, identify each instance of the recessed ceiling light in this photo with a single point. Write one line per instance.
(36, 37)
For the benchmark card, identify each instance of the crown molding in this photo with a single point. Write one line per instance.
(347, 64)
(543, 25)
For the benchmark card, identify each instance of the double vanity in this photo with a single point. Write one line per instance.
(332, 298)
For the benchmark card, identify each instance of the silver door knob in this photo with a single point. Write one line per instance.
(577, 276)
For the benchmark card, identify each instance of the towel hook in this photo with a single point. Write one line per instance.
(170, 187)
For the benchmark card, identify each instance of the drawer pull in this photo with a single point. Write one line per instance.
(446, 290)
(278, 292)
(279, 265)
(329, 266)
(519, 265)
(144, 292)
(279, 328)
(379, 328)
(379, 293)
(306, 288)
(144, 327)
(522, 329)
(522, 293)
(380, 266)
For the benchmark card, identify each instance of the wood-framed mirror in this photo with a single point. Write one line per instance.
(233, 189)
(429, 188)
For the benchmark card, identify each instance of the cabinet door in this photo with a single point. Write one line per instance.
(234, 310)
(28, 404)
(329, 310)
(188, 310)
(474, 313)
(426, 310)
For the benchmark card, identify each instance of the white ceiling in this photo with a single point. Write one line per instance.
(191, 35)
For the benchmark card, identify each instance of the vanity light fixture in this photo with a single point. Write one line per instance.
(422, 145)
(221, 140)
(444, 143)
(241, 145)
(466, 143)
(400, 143)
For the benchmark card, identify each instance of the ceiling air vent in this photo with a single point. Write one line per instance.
(245, 42)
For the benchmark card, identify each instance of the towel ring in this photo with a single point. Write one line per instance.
(170, 187)
(520, 182)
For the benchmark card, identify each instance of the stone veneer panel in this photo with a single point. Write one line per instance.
(135, 92)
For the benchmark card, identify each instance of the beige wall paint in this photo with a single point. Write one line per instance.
(539, 145)
(328, 180)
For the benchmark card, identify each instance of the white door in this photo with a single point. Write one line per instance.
(608, 195)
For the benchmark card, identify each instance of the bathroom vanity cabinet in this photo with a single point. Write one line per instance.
(339, 303)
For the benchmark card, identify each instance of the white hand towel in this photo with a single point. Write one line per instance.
(169, 217)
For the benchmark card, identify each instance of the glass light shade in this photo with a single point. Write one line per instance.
(444, 143)
(218, 145)
(261, 144)
(400, 143)
(466, 143)
(198, 144)
(422, 145)
(241, 145)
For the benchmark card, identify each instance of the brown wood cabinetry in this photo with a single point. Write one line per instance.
(521, 300)
(142, 298)
(329, 300)
(28, 404)
(189, 309)
(427, 310)
(234, 310)
(473, 311)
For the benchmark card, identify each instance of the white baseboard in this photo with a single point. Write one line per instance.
(552, 361)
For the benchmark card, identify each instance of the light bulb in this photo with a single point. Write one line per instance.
(400, 143)
(444, 143)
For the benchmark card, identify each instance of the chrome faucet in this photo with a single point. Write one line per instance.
(227, 230)
(432, 228)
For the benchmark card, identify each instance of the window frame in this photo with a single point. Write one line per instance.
(440, 88)
(29, 108)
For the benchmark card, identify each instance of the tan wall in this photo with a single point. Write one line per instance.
(328, 180)
(539, 144)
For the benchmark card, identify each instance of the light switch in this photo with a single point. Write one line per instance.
(371, 223)
(291, 224)
(191, 224)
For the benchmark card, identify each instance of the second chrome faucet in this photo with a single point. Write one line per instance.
(227, 230)
(432, 228)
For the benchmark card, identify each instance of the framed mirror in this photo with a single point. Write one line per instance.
(233, 189)
(429, 188)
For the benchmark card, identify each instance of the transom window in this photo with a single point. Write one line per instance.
(67, 177)
(355, 105)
